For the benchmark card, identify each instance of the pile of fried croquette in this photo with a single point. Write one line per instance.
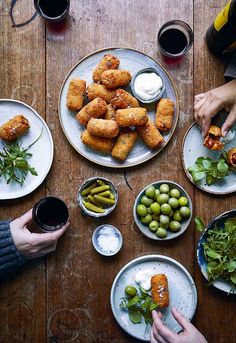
(113, 118)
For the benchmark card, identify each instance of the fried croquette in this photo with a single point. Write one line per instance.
(212, 140)
(110, 113)
(150, 135)
(97, 143)
(124, 99)
(95, 90)
(124, 145)
(103, 128)
(14, 128)
(164, 115)
(115, 78)
(75, 94)
(131, 117)
(93, 109)
(108, 62)
(159, 290)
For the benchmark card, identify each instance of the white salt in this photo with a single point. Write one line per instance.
(108, 240)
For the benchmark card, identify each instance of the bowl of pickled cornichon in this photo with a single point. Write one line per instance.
(97, 197)
(163, 210)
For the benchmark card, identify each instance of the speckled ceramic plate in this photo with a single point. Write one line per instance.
(170, 235)
(223, 285)
(134, 61)
(42, 151)
(182, 292)
(193, 148)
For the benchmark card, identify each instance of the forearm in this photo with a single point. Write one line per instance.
(10, 258)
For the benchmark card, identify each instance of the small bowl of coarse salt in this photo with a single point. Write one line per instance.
(107, 240)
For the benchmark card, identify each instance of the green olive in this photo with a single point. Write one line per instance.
(177, 216)
(162, 199)
(164, 221)
(150, 191)
(149, 210)
(175, 193)
(157, 192)
(131, 291)
(174, 226)
(161, 232)
(155, 208)
(166, 209)
(183, 201)
(141, 210)
(185, 211)
(173, 202)
(153, 225)
(155, 216)
(146, 201)
(147, 219)
(164, 188)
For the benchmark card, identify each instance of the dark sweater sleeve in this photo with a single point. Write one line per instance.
(10, 258)
(230, 70)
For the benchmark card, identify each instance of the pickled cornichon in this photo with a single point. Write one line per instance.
(98, 196)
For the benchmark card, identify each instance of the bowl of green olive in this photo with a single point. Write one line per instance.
(163, 210)
(97, 197)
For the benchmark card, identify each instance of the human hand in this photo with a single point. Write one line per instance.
(206, 106)
(33, 245)
(161, 334)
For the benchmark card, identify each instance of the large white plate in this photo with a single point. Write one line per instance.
(42, 150)
(134, 61)
(193, 148)
(182, 292)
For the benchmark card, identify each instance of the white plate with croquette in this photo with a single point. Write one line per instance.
(42, 150)
(132, 61)
(181, 288)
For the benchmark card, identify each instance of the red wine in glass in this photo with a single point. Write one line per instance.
(52, 10)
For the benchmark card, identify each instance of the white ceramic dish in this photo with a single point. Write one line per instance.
(42, 151)
(95, 240)
(193, 148)
(182, 291)
(134, 61)
(170, 235)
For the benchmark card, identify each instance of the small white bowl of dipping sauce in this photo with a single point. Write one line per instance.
(147, 85)
(107, 240)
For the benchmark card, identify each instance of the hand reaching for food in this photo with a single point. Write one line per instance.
(160, 333)
(207, 105)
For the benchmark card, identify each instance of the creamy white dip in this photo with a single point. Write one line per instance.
(147, 85)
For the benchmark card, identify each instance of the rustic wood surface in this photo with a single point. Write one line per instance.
(65, 297)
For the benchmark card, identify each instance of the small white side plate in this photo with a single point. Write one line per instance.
(182, 292)
(42, 151)
(193, 148)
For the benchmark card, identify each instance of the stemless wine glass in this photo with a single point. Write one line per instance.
(175, 38)
(52, 11)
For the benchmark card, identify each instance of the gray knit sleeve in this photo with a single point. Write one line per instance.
(10, 258)
(230, 71)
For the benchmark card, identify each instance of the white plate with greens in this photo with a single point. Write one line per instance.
(182, 293)
(42, 150)
(193, 148)
(132, 60)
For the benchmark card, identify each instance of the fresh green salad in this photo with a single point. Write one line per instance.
(139, 304)
(14, 165)
(211, 170)
(220, 252)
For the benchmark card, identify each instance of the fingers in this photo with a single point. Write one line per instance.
(229, 122)
(159, 329)
(24, 219)
(48, 238)
(181, 319)
(47, 250)
(156, 338)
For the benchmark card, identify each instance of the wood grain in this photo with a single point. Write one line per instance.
(66, 298)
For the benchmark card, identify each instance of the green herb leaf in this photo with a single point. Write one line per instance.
(222, 166)
(213, 254)
(133, 301)
(233, 277)
(199, 224)
(135, 315)
(198, 176)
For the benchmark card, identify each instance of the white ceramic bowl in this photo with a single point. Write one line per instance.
(97, 246)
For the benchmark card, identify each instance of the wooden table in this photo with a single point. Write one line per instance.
(65, 297)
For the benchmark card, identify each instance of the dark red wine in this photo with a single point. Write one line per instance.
(173, 41)
(50, 213)
(52, 8)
